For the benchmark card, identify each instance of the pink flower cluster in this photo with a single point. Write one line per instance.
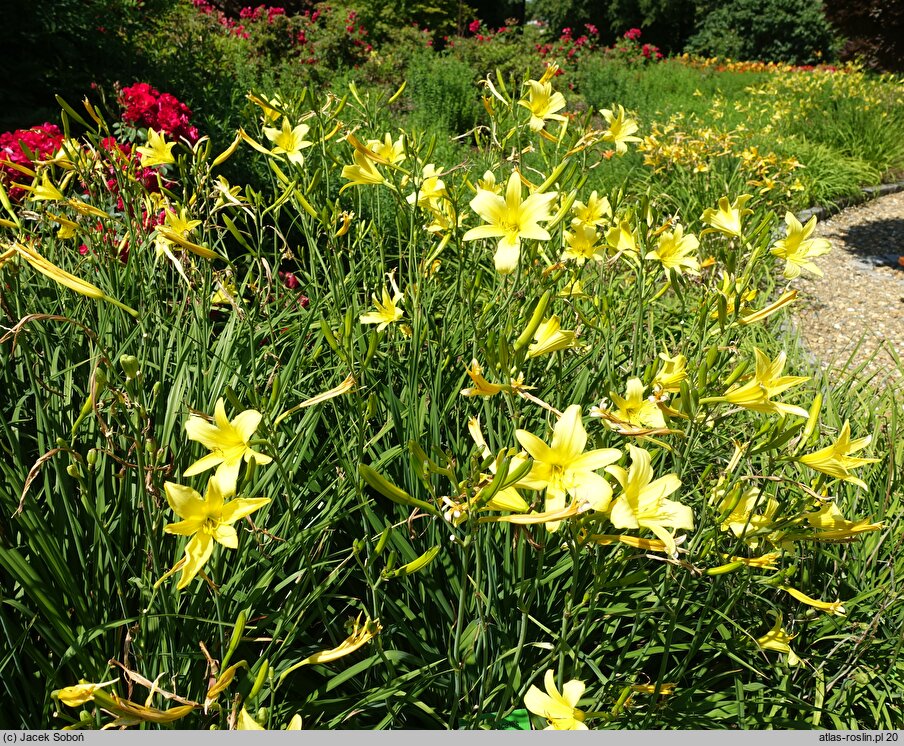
(256, 14)
(144, 106)
(632, 34)
(569, 46)
(41, 141)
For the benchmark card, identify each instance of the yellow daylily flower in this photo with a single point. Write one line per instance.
(829, 607)
(79, 694)
(634, 408)
(431, 189)
(728, 218)
(157, 152)
(621, 239)
(362, 172)
(392, 152)
(510, 219)
(563, 468)
(583, 244)
(360, 635)
(559, 708)
(777, 639)
(388, 310)
(245, 722)
(206, 520)
(741, 521)
(550, 337)
(179, 223)
(488, 183)
(542, 103)
(767, 382)
(676, 251)
(46, 190)
(833, 526)
(505, 499)
(836, 461)
(482, 387)
(669, 377)
(797, 248)
(620, 130)
(288, 140)
(596, 212)
(642, 502)
(227, 441)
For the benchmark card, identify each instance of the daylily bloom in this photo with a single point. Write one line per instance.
(836, 461)
(833, 526)
(393, 152)
(246, 722)
(559, 708)
(288, 140)
(634, 408)
(829, 607)
(596, 212)
(620, 130)
(227, 440)
(510, 220)
(669, 377)
(388, 309)
(363, 172)
(46, 190)
(431, 189)
(488, 183)
(157, 152)
(79, 694)
(583, 244)
(797, 248)
(563, 468)
(180, 224)
(550, 337)
(677, 251)
(482, 387)
(742, 521)
(642, 502)
(207, 520)
(621, 239)
(360, 635)
(777, 639)
(542, 103)
(767, 382)
(727, 219)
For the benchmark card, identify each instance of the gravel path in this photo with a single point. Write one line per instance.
(855, 313)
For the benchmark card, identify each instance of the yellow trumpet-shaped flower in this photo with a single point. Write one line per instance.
(289, 140)
(670, 375)
(511, 220)
(206, 520)
(676, 251)
(766, 383)
(392, 152)
(542, 103)
(634, 408)
(596, 212)
(741, 520)
(482, 387)
(362, 172)
(728, 218)
(836, 461)
(244, 721)
(777, 639)
(829, 607)
(79, 694)
(559, 708)
(157, 152)
(833, 526)
(431, 189)
(583, 244)
(46, 190)
(621, 239)
(642, 502)
(388, 309)
(360, 635)
(550, 337)
(562, 468)
(505, 499)
(227, 441)
(620, 130)
(797, 248)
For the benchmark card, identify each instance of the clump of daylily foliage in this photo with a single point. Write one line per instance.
(408, 437)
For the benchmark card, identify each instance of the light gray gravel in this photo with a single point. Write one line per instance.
(855, 313)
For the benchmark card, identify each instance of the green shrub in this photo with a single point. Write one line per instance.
(443, 93)
(793, 31)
